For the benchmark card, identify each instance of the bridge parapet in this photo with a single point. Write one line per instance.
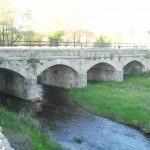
(69, 53)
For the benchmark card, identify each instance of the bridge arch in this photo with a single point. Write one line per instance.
(134, 67)
(49, 64)
(60, 75)
(17, 70)
(17, 84)
(93, 63)
(103, 71)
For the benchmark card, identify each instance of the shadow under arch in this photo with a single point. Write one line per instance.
(61, 76)
(101, 71)
(45, 66)
(22, 74)
(14, 83)
(133, 67)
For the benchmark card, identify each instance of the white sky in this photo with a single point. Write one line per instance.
(96, 15)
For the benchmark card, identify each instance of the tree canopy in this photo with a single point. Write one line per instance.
(11, 24)
(56, 37)
(102, 41)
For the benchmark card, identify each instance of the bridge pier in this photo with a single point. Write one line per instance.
(118, 75)
(81, 80)
(30, 90)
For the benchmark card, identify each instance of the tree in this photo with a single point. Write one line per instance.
(10, 23)
(7, 19)
(103, 41)
(78, 36)
(56, 37)
(31, 37)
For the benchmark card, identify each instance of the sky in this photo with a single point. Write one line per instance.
(105, 16)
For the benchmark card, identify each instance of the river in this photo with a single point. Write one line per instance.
(75, 128)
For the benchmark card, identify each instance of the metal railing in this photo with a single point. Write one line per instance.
(76, 45)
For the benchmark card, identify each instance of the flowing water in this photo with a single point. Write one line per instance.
(75, 128)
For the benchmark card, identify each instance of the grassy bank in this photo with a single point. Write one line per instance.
(13, 124)
(127, 102)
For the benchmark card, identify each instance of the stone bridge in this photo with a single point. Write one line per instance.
(20, 67)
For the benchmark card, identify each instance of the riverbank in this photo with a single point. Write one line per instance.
(24, 127)
(127, 102)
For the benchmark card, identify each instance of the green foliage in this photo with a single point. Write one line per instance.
(55, 38)
(147, 56)
(30, 35)
(103, 41)
(1, 60)
(111, 56)
(10, 29)
(126, 102)
(13, 123)
(33, 62)
(39, 79)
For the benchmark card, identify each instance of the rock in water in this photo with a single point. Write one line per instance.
(4, 144)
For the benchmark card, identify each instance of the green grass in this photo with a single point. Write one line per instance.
(127, 102)
(13, 123)
(39, 79)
